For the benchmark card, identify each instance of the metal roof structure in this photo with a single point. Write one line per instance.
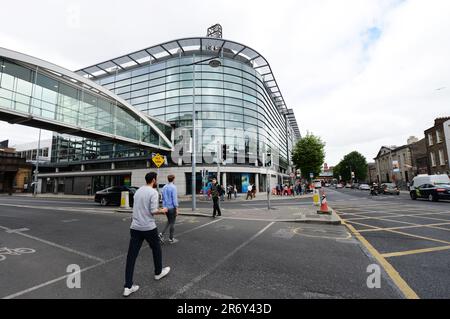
(63, 75)
(185, 46)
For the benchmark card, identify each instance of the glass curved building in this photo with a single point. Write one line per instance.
(228, 87)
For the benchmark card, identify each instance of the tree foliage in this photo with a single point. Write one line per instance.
(352, 162)
(309, 154)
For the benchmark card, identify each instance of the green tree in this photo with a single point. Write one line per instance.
(309, 154)
(352, 162)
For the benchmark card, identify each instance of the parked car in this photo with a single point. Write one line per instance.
(112, 195)
(355, 186)
(364, 187)
(348, 185)
(338, 186)
(389, 188)
(432, 187)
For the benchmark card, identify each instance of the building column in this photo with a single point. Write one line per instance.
(257, 182)
(224, 179)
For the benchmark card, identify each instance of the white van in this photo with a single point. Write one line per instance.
(428, 179)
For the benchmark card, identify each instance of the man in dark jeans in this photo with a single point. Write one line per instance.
(215, 193)
(170, 201)
(143, 227)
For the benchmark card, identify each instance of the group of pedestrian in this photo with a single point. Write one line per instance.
(284, 190)
(143, 225)
(231, 190)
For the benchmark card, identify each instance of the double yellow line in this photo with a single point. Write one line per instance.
(390, 270)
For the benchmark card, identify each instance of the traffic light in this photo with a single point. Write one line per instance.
(269, 159)
(224, 152)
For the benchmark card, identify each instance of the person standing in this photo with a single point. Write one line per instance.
(222, 193)
(170, 201)
(229, 192)
(88, 189)
(235, 191)
(249, 192)
(254, 191)
(143, 227)
(215, 193)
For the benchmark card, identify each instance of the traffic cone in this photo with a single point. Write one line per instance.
(324, 206)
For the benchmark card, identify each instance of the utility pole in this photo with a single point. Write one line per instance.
(36, 172)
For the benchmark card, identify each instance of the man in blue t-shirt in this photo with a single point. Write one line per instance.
(170, 202)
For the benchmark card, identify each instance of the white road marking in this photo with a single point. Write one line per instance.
(68, 209)
(55, 245)
(17, 230)
(17, 294)
(220, 262)
(69, 220)
(215, 294)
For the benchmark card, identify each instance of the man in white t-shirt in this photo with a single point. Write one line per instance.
(249, 191)
(143, 226)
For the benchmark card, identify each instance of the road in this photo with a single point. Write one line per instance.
(215, 258)
(411, 236)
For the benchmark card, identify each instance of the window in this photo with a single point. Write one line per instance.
(441, 158)
(430, 139)
(433, 159)
(438, 137)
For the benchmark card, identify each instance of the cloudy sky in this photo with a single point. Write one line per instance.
(358, 73)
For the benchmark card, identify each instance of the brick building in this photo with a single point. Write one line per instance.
(438, 146)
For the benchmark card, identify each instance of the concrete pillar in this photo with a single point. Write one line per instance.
(224, 179)
(113, 165)
(55, 185)
(257, 182)
(82, 167)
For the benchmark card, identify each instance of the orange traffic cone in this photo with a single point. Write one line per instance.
(324, 206)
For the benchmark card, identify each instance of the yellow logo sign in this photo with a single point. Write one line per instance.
(158, 160)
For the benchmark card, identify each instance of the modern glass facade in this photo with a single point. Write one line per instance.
(48, 97)
(231, 96)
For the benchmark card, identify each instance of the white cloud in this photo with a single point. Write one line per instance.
(355, 91)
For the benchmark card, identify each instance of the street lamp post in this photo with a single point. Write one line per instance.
(214, 64)
(36, 172)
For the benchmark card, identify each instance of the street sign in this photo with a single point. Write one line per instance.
(311, 175)
(158, 160)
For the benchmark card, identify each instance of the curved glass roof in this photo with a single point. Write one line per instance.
(37, 93)
(203, 45)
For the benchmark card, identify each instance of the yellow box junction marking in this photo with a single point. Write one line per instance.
(393, 274)
(415, 251)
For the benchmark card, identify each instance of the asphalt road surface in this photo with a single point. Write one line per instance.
(220, 258)
(412, 236)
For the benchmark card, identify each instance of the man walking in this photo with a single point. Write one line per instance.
(143, 226)
(249, 192)
(215, 193)
(170, 201)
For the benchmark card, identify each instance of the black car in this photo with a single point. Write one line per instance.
(433, 192)
(112, 195)
(389, 188)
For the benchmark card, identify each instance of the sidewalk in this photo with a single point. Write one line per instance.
(51, 195)
(294, 213)
(242, 197)
(182, 198)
